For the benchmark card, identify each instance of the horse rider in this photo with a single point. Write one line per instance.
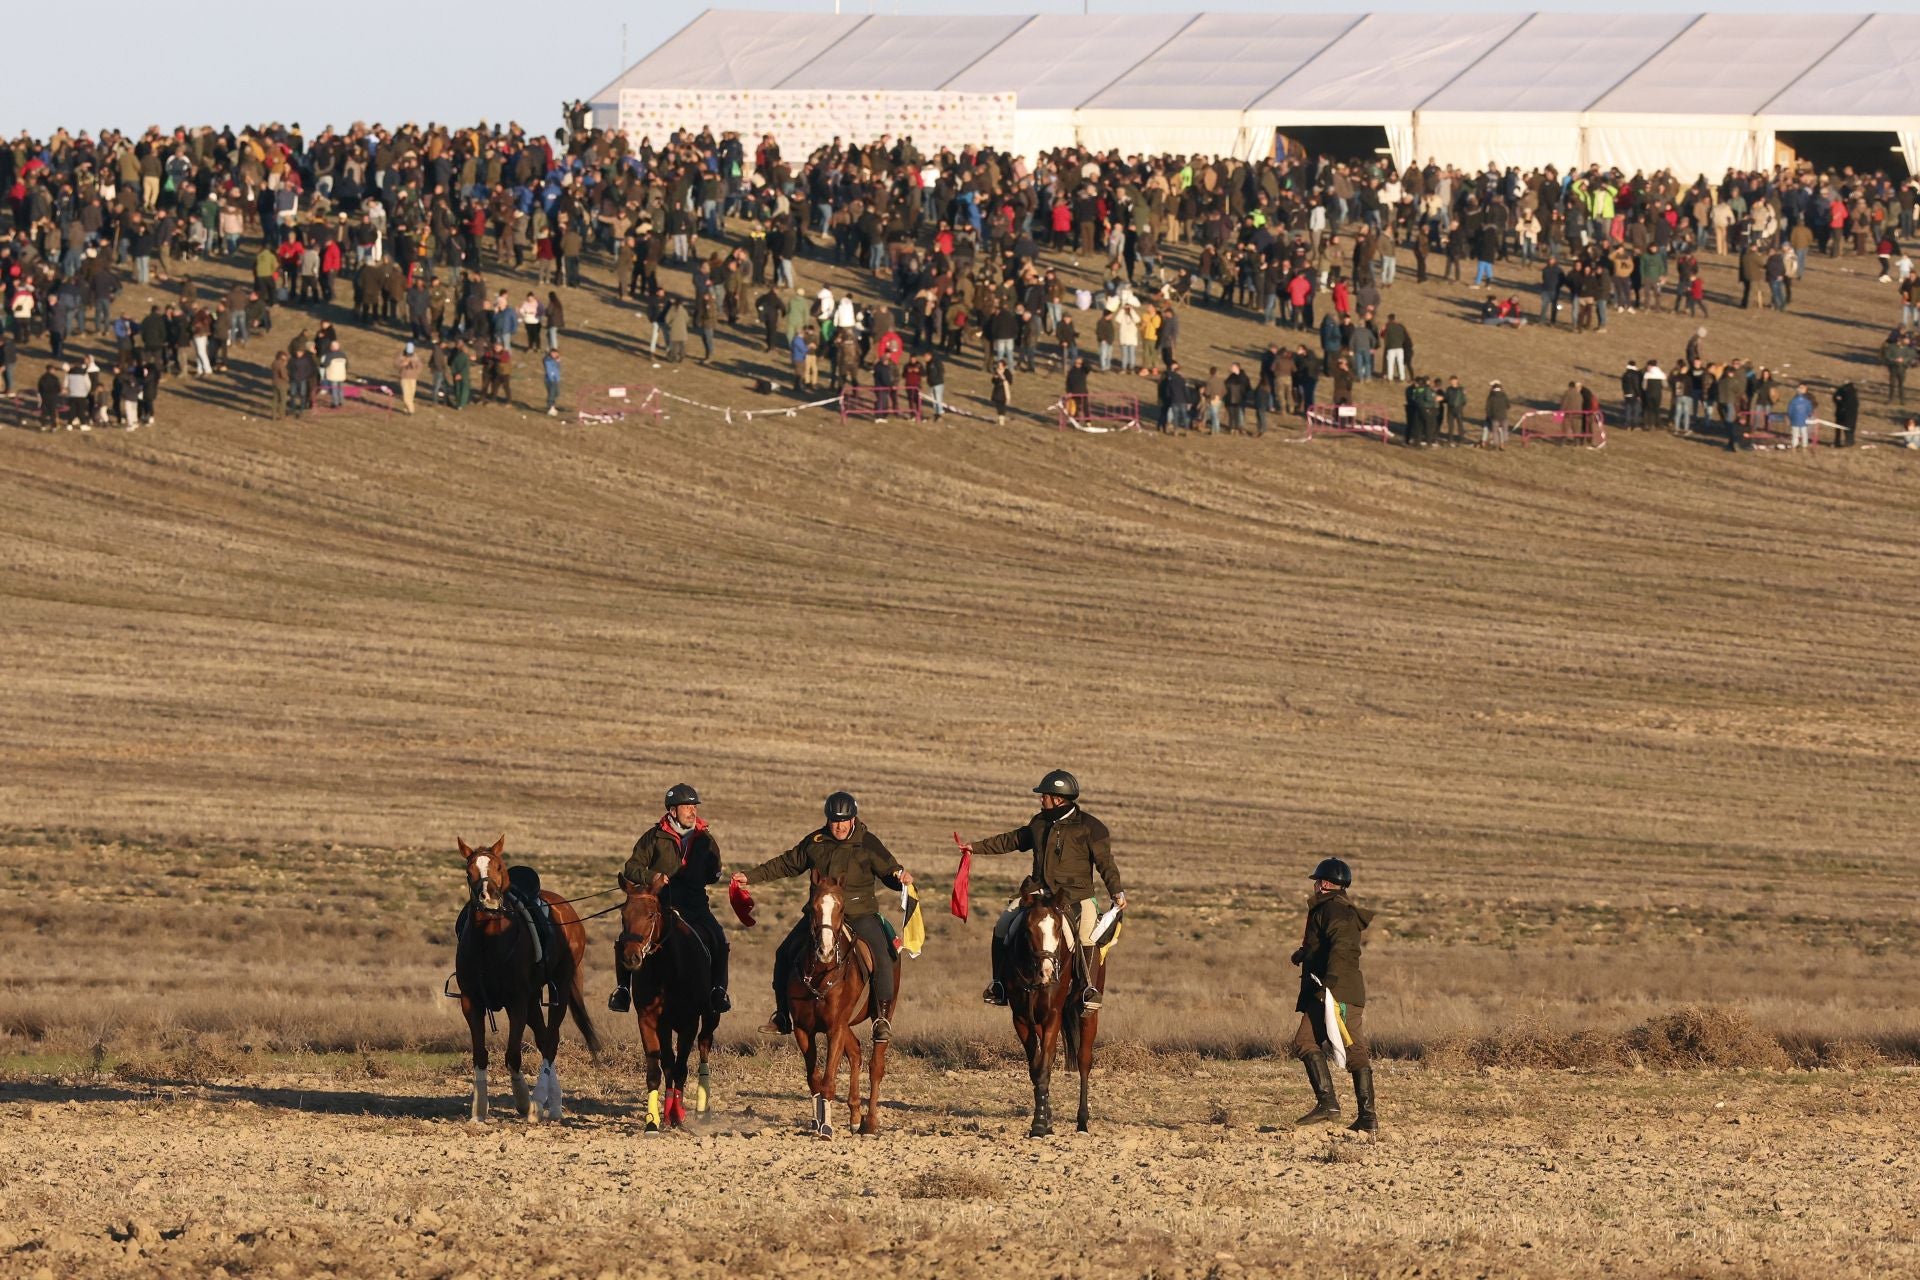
(1329, 960)
(681, 848)
(1070, 847)
(843, 849)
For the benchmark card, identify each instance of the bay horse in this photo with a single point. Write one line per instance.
(827, 992)
(496, 966)
(1044, 992)
(670, 998)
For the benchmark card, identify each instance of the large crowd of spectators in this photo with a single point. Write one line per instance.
(1079, 262)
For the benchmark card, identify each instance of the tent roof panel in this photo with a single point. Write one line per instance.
(1559, 62)
(1391, 62)
(1058, 61)
(1223, 61)
(717, 50)
(1728, 64)
(890, 52)
(1875, 71)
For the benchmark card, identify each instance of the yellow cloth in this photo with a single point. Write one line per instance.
(913, 925)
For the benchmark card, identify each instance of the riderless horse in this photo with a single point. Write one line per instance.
(500, 965)
(669, 991)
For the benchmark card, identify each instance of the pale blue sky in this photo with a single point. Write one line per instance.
(128, 63)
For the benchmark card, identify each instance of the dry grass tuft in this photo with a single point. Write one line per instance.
(1706, 1036)
(954, 1183)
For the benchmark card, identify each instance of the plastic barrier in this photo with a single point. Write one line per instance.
(616, 404)
(1588, 427)
(1350, 420)
(1100, 412)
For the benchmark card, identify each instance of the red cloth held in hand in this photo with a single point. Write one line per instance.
(742, 902)
(961, 878)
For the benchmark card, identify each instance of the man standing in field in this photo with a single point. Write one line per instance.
(1329, 960)
(680, 847)
(1070, 847)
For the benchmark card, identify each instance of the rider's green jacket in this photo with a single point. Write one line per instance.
(1330, 951)
(857, 861)
(1068, 851)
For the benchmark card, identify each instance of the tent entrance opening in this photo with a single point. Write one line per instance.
(1337, 142)
(1823, 149)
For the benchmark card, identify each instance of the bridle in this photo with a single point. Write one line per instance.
(649, 941)
(475, 884)
(1027, 976)
(822, 973)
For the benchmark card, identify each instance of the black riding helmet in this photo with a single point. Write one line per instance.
(1059, 783)
(681, 793)
(1335, 870)
(841, 807)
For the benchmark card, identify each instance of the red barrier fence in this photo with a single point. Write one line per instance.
(1557, 427)
(1350, 420)
(1099, 412)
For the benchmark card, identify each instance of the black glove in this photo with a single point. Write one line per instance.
(1299, 954)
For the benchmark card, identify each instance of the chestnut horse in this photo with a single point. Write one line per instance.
(496, 967)
(827, 992)
(670, 999)
(1044, 993)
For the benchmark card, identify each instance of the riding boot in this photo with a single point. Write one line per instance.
(782, 1020)
(1363, 1099)
(883, 1022)
(996, 992)
(1327, 1103)
(621, 1001)
(1090, 979)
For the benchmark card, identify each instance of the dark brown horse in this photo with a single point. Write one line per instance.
(670, 997)
(1044, 991)
(828, 996)
(497, 968)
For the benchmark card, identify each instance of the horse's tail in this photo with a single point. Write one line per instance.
(577, 1006)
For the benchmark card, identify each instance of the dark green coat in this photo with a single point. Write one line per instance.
(1067, 853)
(1330, 951)
(857, 861)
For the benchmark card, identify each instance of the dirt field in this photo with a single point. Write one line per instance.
(1604, 734)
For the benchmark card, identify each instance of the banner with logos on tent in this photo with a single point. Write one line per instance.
(801, 120)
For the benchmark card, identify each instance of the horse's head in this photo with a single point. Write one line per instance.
(486, 875)
(1049, 938)
(643, 922)
(826, 916)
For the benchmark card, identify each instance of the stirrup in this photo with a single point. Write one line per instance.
(781, 1023)
(1090, 1000)
(996, 993)
(882, 1030)
(620, 1001)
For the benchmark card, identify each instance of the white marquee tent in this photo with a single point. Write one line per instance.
(1697, 93)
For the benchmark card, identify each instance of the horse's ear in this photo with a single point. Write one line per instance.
(659, 883)
(498, 845)
(466, 850)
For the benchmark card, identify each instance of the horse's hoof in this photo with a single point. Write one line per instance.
(826, 1132)
(652, 1130)
(1080, 1127)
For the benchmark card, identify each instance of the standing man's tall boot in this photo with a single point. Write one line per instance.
(1326, 1102)
(1363, 1099)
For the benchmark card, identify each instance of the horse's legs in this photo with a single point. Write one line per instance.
(546, 1086)
(477, 1028)
(1080, 1040)
(836, 1049)
(1049, 1036)
(681, 1047)
(704, 1097)
(853, 1079)
(804, 1037)
(517, 1020)
(1033, 1040)
(878, 1067)
(650, 1041)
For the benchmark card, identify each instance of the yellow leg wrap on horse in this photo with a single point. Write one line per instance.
(653, 1108)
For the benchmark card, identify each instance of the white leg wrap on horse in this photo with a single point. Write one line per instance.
(479, 1093)
(552, 1081)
